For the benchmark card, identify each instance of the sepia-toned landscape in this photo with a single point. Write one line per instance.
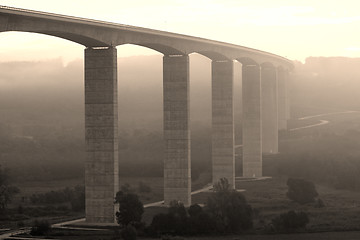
(308, 186)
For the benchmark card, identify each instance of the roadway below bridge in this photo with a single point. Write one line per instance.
(322, 122)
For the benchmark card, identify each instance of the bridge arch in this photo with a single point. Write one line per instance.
(214, 56)
(161, 48)
(267, 65)
(246, 61)
(78, 36)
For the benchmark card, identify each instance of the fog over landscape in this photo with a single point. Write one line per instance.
(42, 124)
(53, 167)
(42, 109)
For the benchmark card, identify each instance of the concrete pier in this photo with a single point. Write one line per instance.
(282, 99)
(252, 142)
(269, 109)
(101, 134)
(223, 155)
(177, 163)
(287, 93)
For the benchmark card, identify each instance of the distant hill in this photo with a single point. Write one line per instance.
(327, 82)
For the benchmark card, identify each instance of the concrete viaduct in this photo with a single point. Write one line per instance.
(265, 105)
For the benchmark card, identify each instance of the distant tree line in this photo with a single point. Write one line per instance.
(7, 190)
(75, 196)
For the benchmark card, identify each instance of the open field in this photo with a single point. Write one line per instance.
(268, 199)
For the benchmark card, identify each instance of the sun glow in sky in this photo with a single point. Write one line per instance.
(293, 29)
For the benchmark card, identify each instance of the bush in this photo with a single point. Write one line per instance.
(226, 212)
(40, 228)
(301, 191)
(175, 222)
(290, 221)
(229, 209)
(130, 209)
(128, 233)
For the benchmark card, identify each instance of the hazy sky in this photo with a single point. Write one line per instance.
(294, 29)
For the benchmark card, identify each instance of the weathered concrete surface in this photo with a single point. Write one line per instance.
(252, 143)
(282, 99)
(177, 164)
(223, 153)
(288, 88)
(269, 112)
(101, 134)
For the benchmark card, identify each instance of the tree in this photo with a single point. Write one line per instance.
(226, 212)
(130, 209)
(6, 190)
(301, 191)
(222, 186)
(229, 209)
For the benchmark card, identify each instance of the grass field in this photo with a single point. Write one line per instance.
(341, 211)
(268, 199)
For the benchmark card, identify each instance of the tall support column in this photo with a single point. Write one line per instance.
(282, 95)
(287, 92)
(101, 134)
(269, 110)
(177, 164)
(223, 155)
(252, 143)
